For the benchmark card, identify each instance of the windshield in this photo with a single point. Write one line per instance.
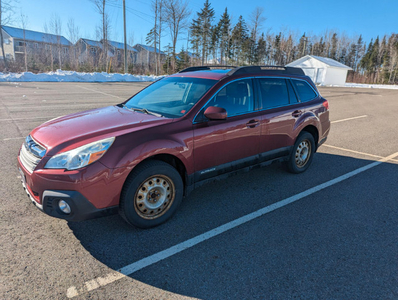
(171, 97)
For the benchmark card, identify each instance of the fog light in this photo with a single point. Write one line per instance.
(64, 207)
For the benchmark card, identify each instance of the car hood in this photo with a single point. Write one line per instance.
(77, 129)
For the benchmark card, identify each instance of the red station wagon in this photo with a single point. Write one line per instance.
(141, 157)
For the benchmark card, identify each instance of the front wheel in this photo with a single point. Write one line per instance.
(303, 151)
(151, 194)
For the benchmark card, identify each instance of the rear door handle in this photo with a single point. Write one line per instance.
(253, 123)
(297, 113)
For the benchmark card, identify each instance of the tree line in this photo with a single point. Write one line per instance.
(245, 43)
(211, 40)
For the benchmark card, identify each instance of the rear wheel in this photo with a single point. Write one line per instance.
(302, 153)
(151, 194)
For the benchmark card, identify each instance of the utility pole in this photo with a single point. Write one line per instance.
(125, 42)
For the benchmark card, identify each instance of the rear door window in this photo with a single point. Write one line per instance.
(304, 90)
(273, 92)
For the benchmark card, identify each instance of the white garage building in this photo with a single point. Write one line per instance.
(322, 70)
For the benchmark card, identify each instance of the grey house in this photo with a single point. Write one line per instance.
(146, 55)
(88, 50)
(17, 41)
(117, 50)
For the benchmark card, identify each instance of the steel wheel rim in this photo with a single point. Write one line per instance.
(303, 153)
(154, 197)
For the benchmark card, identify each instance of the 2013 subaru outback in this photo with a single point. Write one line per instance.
(141, 157)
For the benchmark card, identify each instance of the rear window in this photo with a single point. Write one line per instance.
(304, 90)
(273, 92)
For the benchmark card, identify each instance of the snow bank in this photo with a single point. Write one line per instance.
(366, 86)
(72, 76)
(372, 86)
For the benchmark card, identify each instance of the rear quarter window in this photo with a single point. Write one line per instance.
(273, 92)
(304, 90)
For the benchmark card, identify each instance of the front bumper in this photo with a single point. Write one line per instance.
(81, 208)
(90, 192)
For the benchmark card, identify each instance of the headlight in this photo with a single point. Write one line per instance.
(80, 157)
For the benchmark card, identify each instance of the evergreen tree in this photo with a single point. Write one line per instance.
(333, 50)
(350, 59)
(277, 49)
(365, 63)
(360, 50)
(183, 60)
(250, 48)
(373, 58)
(201, 30)
(302, 46)
(239, 40)
(151, 37)
(224, 26)
(195, 36)
(261, 50)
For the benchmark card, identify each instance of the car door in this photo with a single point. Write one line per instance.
(278, 118)
(222, 146)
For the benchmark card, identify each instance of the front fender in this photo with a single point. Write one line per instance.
(149, 149)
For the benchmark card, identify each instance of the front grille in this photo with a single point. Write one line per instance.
(31, 153)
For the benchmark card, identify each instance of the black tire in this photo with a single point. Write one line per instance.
(151, 194)
(302, 153)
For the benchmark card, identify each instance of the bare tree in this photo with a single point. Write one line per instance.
(73, 31)
(100, 6)
(6, 14)
(49, 41)
(257, 19)
(73, 35)
(155, 8)
(176, 13)
(24, 23)
(154, 36)
(160, 27)
(56, 28)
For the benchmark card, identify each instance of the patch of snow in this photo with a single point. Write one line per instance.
(368, 86)
(72, 76)
(372, 86)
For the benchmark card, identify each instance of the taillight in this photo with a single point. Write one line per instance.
(326, 104)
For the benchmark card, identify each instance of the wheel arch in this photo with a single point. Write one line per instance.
(170, 159)
(314, 132)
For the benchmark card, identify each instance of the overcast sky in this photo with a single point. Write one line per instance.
(367, 17)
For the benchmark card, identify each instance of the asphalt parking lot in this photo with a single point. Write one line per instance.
(330, 233)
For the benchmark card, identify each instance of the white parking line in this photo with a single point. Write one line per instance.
(348, 119)
(157, 257)
(14, 138)
(86, 88)
(23, 119)
(356, 152)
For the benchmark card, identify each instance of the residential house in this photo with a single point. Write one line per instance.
(146, 55)
(117, 50)
(36, 44)
(88, 50)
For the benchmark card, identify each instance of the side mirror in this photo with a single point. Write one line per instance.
(215, 113)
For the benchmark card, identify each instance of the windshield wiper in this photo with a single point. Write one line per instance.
(144, 110)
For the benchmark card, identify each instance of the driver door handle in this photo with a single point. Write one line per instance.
(253, 123)
(297, 113)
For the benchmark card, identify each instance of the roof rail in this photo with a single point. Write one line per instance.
(267, 69)
(204, 68)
